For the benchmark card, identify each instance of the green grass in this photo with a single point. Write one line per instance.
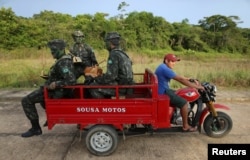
(22, 69)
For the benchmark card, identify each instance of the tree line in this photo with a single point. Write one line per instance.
(140, 30)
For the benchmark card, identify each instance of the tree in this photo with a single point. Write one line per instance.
(140, 30)
(122, 9)
(218, 23)
(222, 33)
(8, 27)
(148, 31)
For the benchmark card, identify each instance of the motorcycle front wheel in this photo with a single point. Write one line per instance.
(219, 127)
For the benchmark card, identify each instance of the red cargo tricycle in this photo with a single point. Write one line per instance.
(140, 111)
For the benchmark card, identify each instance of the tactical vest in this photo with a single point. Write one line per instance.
(125, 72)
(84, 52)
(52, 73)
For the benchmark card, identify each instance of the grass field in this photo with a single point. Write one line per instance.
(22, 69)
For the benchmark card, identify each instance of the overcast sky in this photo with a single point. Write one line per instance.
(171, 10)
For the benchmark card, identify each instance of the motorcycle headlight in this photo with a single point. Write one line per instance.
(215, 89)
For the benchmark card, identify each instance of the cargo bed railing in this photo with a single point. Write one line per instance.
(149, 86)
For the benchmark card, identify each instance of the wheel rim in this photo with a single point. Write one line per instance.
(223, 126)
(101, 141)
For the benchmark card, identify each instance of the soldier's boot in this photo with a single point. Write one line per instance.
(34, 131)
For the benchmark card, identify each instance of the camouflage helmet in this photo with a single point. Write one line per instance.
(77, 34)
(112, 35)
(57, 44)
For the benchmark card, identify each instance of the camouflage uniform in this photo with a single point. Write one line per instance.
(84, 52)
(119, 71)
(62, 73)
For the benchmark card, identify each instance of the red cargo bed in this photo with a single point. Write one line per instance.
(142, 106)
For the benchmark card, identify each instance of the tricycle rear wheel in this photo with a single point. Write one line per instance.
(102, 140)
(217, 129)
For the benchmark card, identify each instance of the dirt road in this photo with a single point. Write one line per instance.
(65, 142)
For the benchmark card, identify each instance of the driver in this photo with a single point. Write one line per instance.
(164, 74)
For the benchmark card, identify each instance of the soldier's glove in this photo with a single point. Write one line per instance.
(52, 85)
(93, 71)
(75, 58)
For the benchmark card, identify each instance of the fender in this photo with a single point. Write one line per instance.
(205, 111)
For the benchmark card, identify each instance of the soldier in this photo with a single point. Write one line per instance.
(119, 68)
(84, 52)
(60, 74)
